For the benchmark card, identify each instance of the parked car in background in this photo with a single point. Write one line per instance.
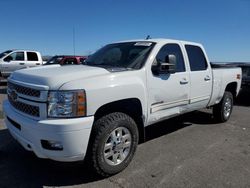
(46, 58)
(66, 60)
(12, 60)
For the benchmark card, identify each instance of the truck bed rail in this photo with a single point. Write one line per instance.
(229, 64)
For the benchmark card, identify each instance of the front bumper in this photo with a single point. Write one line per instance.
(72, 133)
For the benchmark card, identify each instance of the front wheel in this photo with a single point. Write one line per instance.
(223, 110)
(114, 142)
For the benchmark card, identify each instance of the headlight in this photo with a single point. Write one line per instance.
(67, 103)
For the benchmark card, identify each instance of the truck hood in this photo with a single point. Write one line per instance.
(55, 76)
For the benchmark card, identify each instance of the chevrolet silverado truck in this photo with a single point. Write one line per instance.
(98, 111)
(12, 60)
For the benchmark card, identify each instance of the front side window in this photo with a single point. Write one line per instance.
(129, 55)
(32, 56)
(196, 58)
(172, 49)
(16, 56)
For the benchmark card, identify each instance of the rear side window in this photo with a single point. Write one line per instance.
(32, 56)
(196, 58)
(172, 49)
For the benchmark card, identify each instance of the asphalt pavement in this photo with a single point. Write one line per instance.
(188, 151)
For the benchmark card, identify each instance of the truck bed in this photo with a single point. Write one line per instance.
(222, 75)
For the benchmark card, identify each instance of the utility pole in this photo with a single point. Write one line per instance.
(74, 48)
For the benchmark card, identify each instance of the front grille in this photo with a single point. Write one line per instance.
(25, 108)
(24, 90)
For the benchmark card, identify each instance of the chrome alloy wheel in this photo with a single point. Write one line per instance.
(227, 107)
(117, 146)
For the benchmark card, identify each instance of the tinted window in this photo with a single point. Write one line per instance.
(112, 56)
(32, 56)
(196, 58)
(5, 53)
(16, 56)
(172, 49)
(54, 60)
(130, 55)
(82, 60)
(70, 61)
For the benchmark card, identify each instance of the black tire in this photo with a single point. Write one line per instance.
(101, 132)
(223, 110)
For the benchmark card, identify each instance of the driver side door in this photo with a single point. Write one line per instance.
(168, 93)
(12, 62)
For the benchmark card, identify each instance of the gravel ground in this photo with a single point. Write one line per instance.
(189, 151)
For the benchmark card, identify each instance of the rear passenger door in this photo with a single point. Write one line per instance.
(200, 77)
(32, 59)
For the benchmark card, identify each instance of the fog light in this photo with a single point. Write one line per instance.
(52, 145)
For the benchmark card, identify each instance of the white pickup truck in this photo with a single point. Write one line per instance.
(98, 111)
(12, 60)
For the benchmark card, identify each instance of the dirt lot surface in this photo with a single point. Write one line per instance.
(188, 151)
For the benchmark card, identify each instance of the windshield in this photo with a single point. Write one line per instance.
(129, 55)
(5, 53)
(54, 60)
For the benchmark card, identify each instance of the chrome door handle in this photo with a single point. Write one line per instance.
(207, 78)
(184, 81)
(21, 63)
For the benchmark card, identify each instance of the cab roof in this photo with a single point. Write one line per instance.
(162, 40)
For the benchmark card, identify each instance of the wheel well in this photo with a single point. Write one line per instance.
(131, 107)
(232, 87)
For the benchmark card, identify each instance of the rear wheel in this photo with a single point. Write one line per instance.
(223, 110)
(114, 143)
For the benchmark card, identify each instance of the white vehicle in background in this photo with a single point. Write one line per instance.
(12, 60)
(100, 109)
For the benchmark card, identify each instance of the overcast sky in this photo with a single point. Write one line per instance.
(222, 26)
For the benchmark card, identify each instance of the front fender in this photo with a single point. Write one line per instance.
(104, 89)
